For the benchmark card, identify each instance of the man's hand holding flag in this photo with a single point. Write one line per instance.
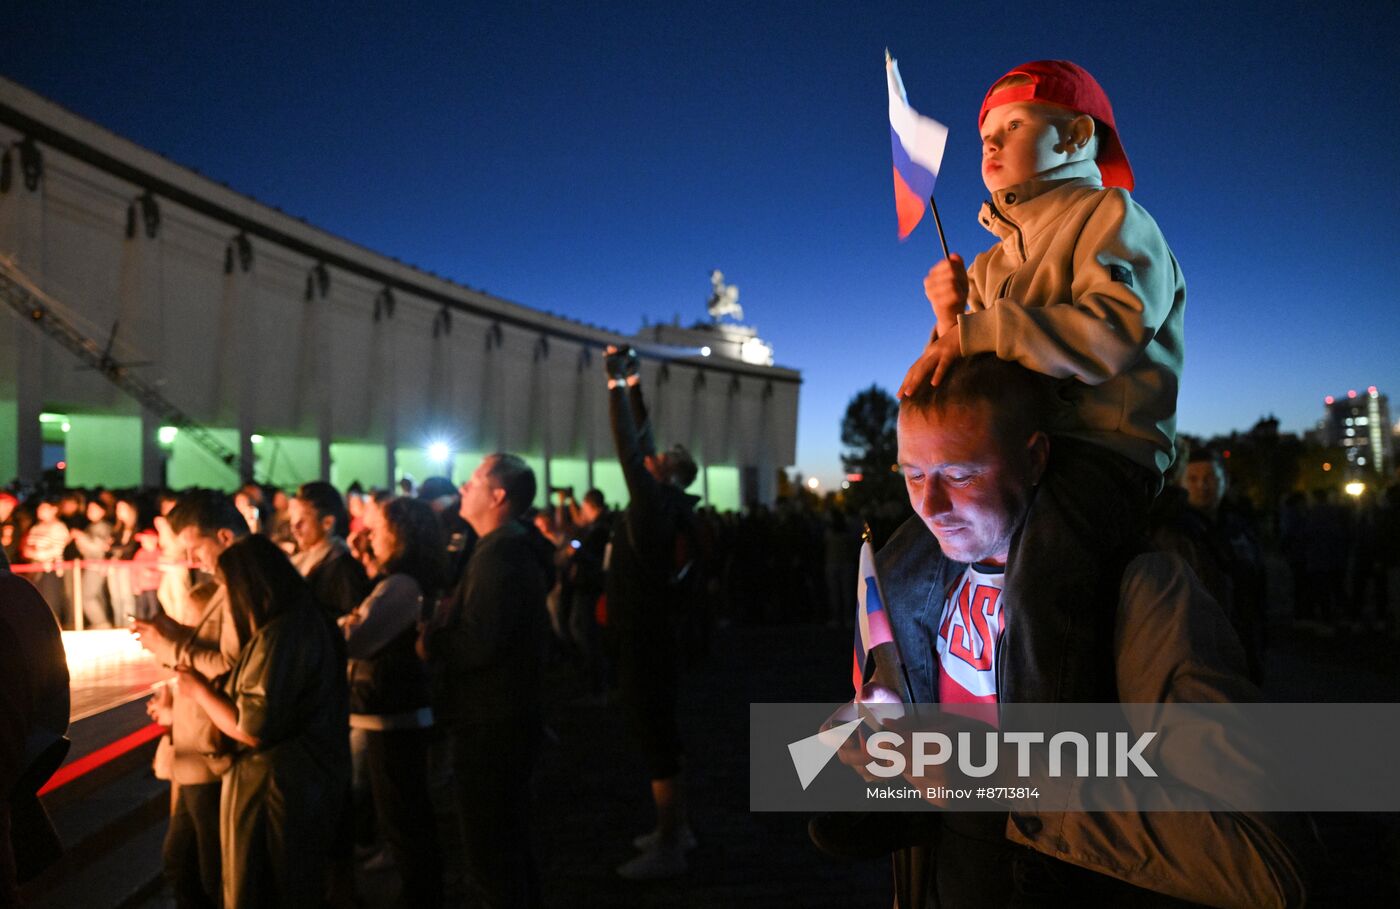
(878, 672)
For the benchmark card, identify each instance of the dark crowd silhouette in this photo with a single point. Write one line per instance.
(362, 712)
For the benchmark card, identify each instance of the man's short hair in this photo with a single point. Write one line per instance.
(208, 511)
(681, 466)
(510, 473)
(1206, 453)
(596, 498)
(1020, 399)
(325, 500)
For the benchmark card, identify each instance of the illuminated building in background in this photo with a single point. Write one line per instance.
(1358, 422)
(297, 355)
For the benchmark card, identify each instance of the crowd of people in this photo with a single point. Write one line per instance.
(794, 562)
(791, 562)
(317, 671)
(321, 649)
(315, 632)
(333, 653)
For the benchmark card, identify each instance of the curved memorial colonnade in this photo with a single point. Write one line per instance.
(305, 353)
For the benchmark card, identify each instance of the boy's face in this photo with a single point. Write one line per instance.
(1019, 141)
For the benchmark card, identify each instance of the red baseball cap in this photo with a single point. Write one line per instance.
(1069, 85)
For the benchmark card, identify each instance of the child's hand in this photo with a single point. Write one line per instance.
(945, 285)
(933, 363)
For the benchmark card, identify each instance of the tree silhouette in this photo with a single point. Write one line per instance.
(868, 431)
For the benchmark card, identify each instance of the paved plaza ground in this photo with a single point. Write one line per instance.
(591, 795)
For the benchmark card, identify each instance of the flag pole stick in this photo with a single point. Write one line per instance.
(938, 223)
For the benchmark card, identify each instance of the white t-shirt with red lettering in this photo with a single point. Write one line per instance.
(968, 632)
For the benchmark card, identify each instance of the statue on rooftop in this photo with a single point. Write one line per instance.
(724, 298)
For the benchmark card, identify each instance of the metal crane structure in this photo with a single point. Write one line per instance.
(38, 309)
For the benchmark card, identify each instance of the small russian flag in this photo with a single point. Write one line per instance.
(872, 624)
(917, 143)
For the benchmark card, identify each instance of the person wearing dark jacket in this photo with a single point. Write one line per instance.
(1217, 542)
(485, 648)
(648, 564)
(34, 704)
(319, 523)
(586, 576)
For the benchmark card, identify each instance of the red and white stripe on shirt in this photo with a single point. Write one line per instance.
(968, 632)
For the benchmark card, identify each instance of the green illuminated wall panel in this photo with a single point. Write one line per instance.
(51, 428)
(607, 476)
(191, 465)
(724, 488)
(357, 461)
(570, 472)
(103, 451)
(9, 440)
(541, 492)
(414, 462)
(287, 461)
(463, 464)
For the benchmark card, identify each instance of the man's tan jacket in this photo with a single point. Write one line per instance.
(207, 639)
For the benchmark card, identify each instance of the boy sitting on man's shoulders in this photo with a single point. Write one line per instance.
(1083, 289)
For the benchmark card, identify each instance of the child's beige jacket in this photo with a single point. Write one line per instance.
(1083, 286)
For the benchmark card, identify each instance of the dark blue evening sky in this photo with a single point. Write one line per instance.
(598, 159)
